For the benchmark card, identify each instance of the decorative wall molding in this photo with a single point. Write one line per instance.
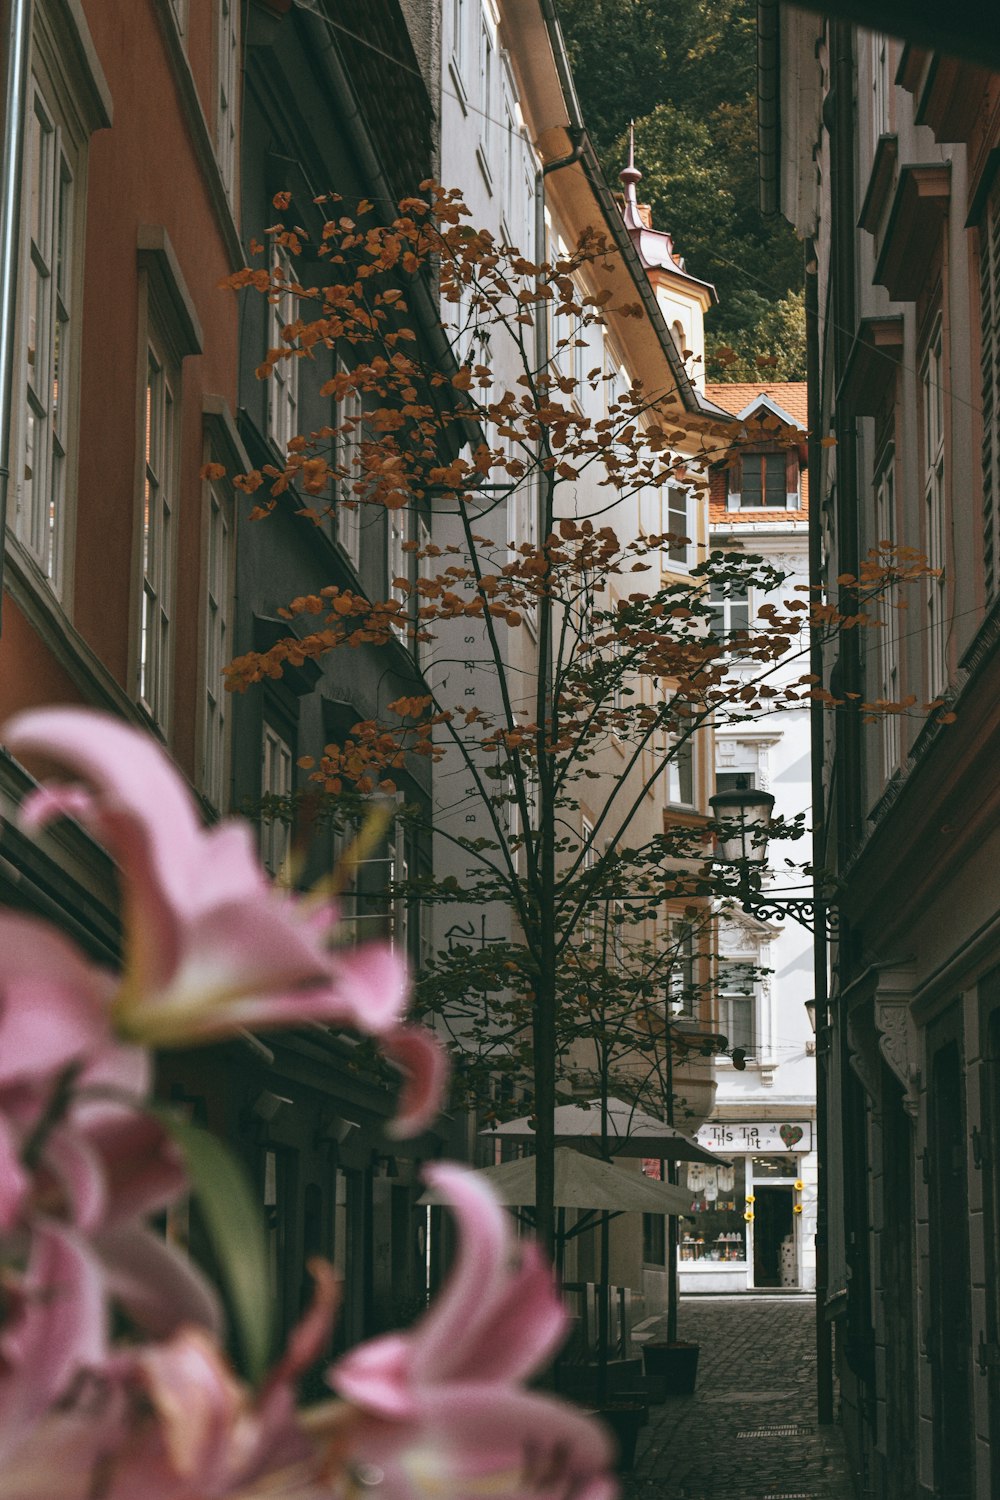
(899, 1041)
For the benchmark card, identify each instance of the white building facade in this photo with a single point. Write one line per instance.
(753, 1224)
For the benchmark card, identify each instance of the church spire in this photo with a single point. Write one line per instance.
(630, 176)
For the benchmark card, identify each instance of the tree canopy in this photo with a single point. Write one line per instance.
(684, 70)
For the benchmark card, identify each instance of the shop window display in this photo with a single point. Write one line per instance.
(717, 1228)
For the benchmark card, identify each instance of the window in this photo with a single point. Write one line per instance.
(587, 863)
(932, 393)
(227, 78)
(283, 387)
(486, 103)
(888, 635)
(459, 45)
(397, 565)
(48, 206)
(219, 556)
(680, 773)
(159, 503)
(654, 1239)
(735, 781)
(679, 548)
(522, 520)
(730, 605)
(276, 780)
(881, 85)
(67, 98)
(737, 990)
(399, 874)
(989, 290)
(346, 458)
(763, 481)
(511, 154)
(682, 993)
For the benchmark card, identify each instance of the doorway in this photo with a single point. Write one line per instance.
(774, 1237)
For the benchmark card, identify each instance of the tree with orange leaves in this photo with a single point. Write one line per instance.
(540, 560)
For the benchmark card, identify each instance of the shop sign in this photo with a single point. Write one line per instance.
(729, 1137)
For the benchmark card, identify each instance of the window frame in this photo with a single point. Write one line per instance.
(785, 461)
(220, 446)
(679, 555)
(725, 996)
(888, 653)
(933, 486)
(160, 426)
(226, 132)
(347, 520)
(283, 385)
(64, 70)
(275, 836)
(989, 316)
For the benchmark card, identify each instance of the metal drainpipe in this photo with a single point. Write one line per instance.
(824, 1331)
(18, 57)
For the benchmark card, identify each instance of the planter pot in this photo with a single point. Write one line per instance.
(671, 1369)
(624, 1418)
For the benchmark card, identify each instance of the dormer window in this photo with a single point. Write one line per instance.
(765, 481)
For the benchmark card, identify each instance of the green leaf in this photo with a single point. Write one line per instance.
(235, 1228)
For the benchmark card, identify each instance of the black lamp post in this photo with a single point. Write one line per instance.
(745, 818)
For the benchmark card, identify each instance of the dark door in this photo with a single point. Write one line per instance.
(897, 1249)
(950, 1335)
(772, 1226)
(989, 1354)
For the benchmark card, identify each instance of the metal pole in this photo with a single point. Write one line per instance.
(16, 85)
(672, 1175)
(824, 1331)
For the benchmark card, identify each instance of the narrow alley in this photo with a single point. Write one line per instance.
(749, 1432)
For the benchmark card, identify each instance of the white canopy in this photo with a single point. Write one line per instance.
(631, 1132)
(582, 1182)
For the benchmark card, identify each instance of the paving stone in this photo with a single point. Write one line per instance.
(750, 1431)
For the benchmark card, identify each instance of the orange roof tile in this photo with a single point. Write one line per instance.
(790, 395)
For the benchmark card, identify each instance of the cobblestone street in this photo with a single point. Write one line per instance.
(750, 1431)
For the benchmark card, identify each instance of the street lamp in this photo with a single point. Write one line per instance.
(745, 818)
(746, 815)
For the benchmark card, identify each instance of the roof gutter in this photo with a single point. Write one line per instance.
(768, 108)
(12, 155)
(584, 147)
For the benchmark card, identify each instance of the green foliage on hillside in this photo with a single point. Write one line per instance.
(685, 71)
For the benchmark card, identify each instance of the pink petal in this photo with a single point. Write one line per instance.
(527, 1324)
(376, 1376)
(449, 1333)
(14, 1180)
(159, 1288)
(77, 1166)
(141, 1166)
(57, 1331)
(373, 983)
(196, 1398)
(311, 1334)
(52, 1001)
(424, 1064)
(491, 1429)
(130, 775)
(487, 1438)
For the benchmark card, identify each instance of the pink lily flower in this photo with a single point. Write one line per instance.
(441, 1408)
(54, 1329)
(76, 1148)
(212, 946)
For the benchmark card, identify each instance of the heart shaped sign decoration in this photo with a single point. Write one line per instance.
(790, 1134)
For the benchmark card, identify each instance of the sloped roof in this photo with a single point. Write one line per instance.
(735, 396)
(791, 396)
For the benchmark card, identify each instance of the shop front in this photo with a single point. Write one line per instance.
(752, 1223)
